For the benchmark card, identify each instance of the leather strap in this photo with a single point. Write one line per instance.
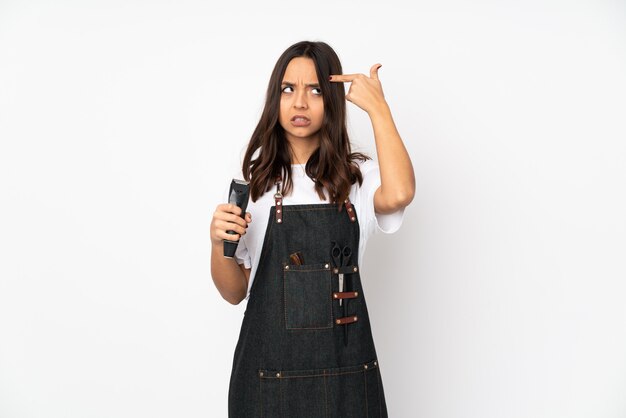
(345, 295)
(350, 210)
(278, 201)
(346, 320)
(345, 269)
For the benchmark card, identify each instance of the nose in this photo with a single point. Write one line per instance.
(300, 99)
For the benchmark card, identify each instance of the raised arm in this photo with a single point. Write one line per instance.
(397, 179)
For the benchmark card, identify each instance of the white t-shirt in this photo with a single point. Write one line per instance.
(303, 192)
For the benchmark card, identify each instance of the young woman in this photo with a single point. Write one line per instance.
(305, 348)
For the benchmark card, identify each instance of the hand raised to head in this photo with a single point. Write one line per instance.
(365, 92)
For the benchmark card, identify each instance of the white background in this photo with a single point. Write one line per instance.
(121, 123)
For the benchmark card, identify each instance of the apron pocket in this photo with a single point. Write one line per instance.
(342, 392)
(308, 296)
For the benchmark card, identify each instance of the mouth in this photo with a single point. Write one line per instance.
(300, 120)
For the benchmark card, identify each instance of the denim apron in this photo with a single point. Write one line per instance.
(300, 352)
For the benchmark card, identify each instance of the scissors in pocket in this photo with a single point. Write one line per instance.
(341, 258)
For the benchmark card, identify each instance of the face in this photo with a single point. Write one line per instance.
(301, 102)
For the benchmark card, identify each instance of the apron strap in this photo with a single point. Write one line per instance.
(278, 201)
(350, 210)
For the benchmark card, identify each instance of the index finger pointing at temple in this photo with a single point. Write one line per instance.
(342, 78)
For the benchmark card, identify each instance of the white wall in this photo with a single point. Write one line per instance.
(120, 122)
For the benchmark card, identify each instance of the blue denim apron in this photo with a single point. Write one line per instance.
(294, 357)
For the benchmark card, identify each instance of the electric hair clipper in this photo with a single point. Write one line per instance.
(238, 195)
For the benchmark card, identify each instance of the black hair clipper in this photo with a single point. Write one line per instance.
(238, 195)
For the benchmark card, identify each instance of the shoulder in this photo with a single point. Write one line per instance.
(370, 171)
(367, 165)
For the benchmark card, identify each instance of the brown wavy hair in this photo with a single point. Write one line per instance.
(332, 165)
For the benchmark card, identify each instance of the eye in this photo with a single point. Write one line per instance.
(287, 87)
(317, 91)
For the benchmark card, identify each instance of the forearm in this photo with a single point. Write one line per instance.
(227, 276)
(397, 179)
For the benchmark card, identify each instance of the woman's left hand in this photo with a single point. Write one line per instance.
(365, 92)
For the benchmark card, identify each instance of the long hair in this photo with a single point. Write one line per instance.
(332, 165)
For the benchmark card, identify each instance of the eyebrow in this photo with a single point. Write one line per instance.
(289, 83)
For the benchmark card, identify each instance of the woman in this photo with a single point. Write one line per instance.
(305, 348)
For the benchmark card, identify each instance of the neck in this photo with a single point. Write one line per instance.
(302, 148)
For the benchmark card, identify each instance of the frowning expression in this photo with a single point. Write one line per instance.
(301, 102)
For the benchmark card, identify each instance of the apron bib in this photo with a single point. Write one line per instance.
(301, 353)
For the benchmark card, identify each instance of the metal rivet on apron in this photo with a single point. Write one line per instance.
(277, 374)
(286, 267)
(278, 211)
(335, 271)
(278, 203)
(335, 296)
(355, 269)
(261, 374)
(345, 201)
(338, 321)
(349, 209)
(280, 220)
(375, 363)
(325, 266)
(356, 294)
(353, 218)
(355, 318)
(366, 367)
